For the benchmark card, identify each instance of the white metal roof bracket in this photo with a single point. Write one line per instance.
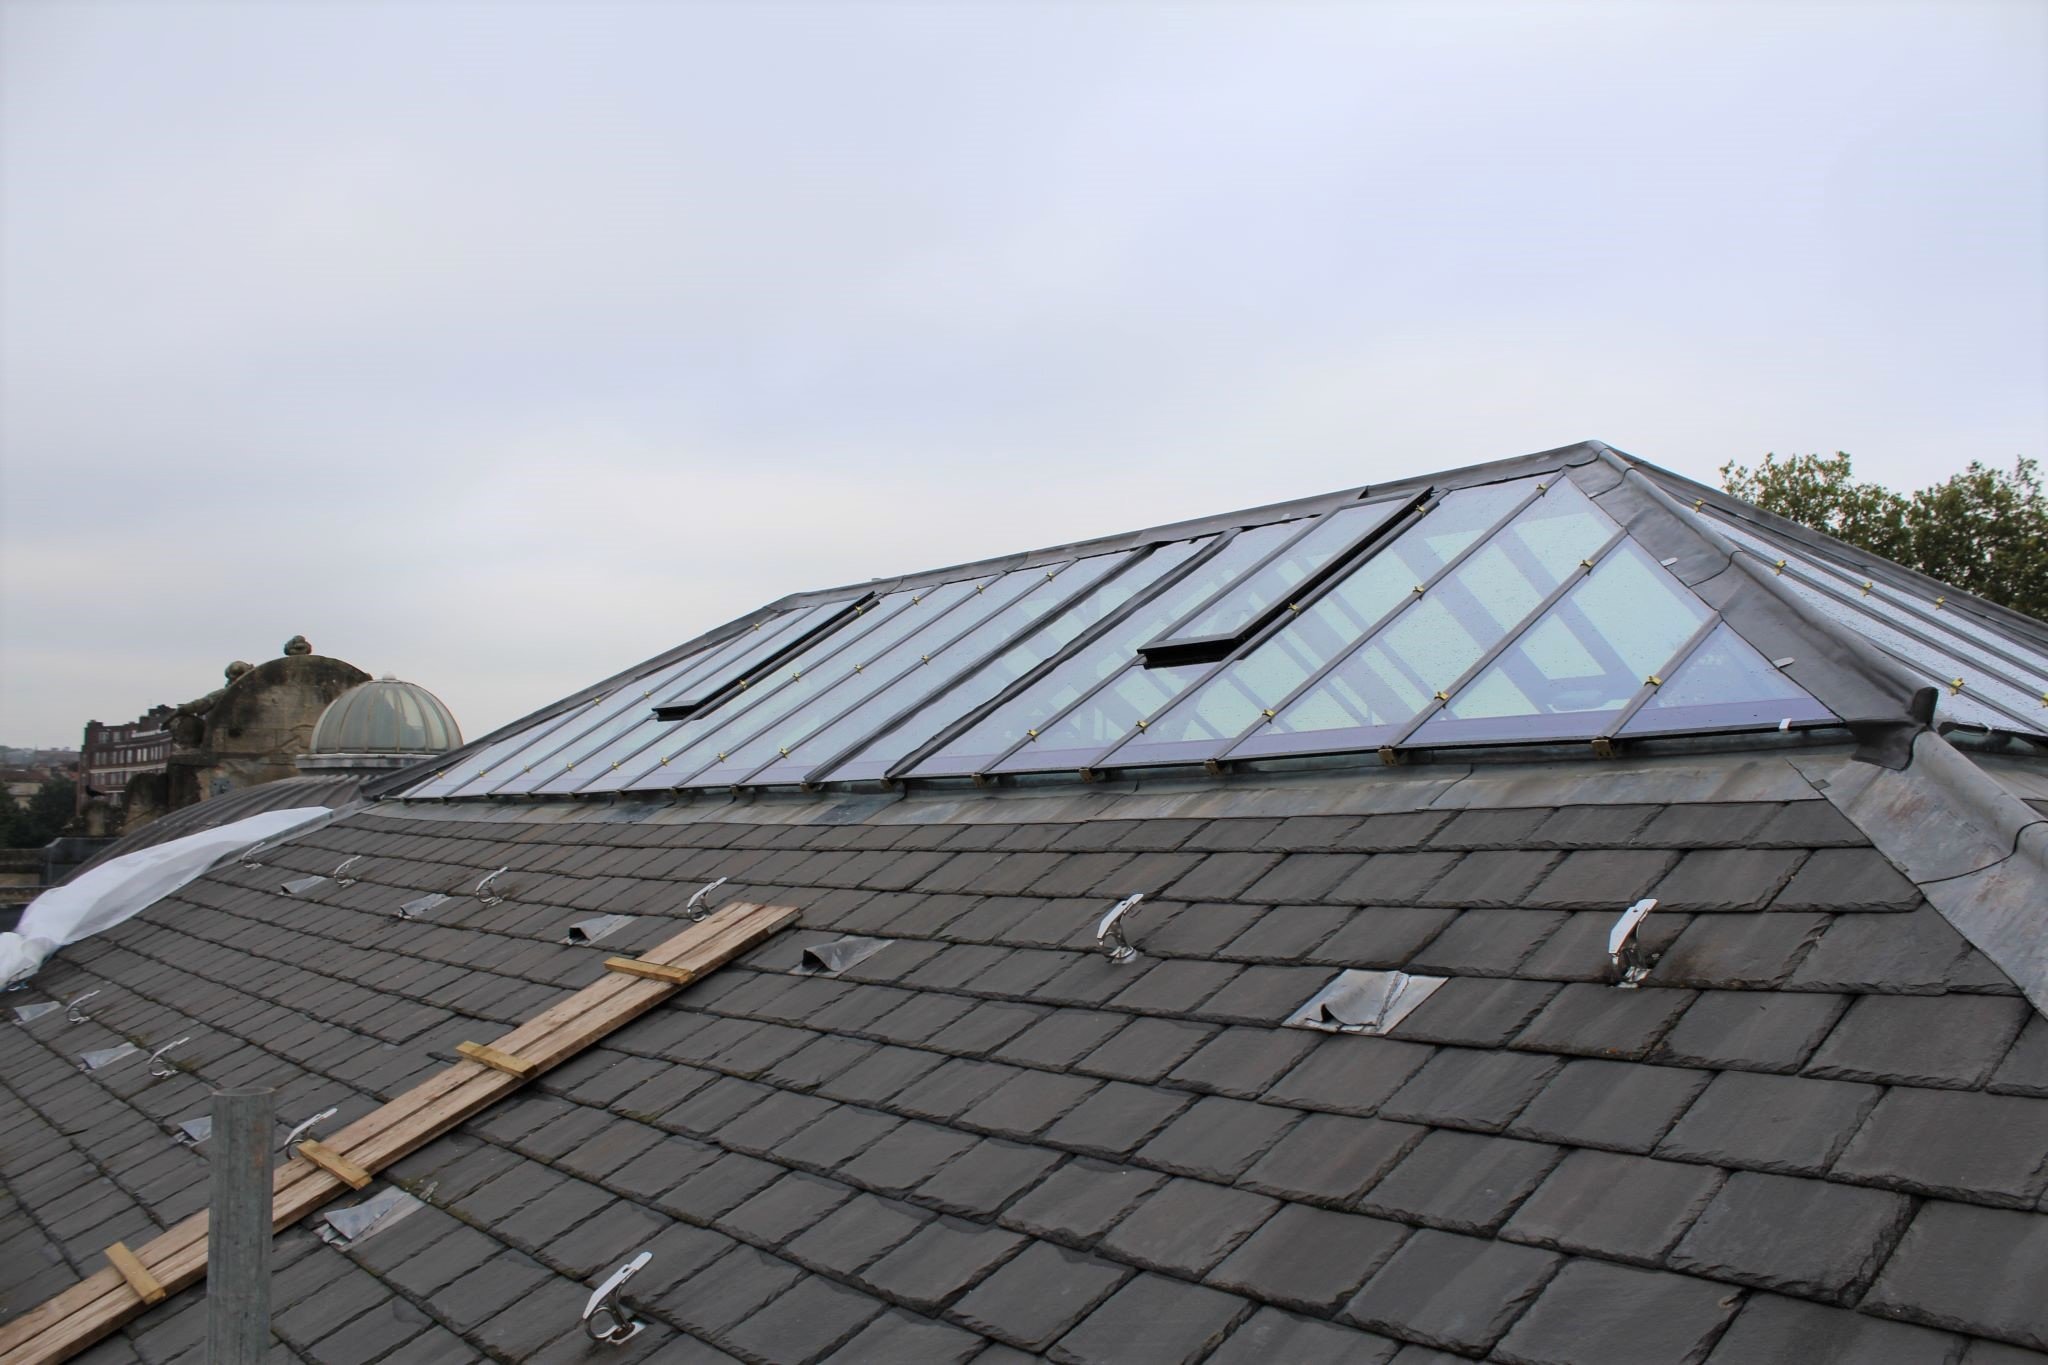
(1110, 935)
(608, 1317)
(699, 905)
(1625, 950)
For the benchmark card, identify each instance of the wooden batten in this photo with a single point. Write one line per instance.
(136, 1274)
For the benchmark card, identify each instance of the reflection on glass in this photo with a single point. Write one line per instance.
(1107, 716)
(1270, 584)
(1229, 703)
(1042, 702)
(977, 688)
(1725, 685)
(1433, 641)
(1585, 658)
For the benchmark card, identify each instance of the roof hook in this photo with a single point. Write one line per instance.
(291, 1139)
(1111, 930)
(250, 862)
(71, 1008)
(346, 864)
(490, 877)
(160, 1068)
(1625, 950)
(608, 1317)
(697, 907)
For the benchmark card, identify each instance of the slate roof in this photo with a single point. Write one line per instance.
(1819, 1132)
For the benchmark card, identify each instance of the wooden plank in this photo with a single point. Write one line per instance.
(334, 1163)
(499, 1061)
(137, 1274)
(633, 966)
(66, 1324)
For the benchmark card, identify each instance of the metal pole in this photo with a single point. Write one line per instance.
(238, 1227)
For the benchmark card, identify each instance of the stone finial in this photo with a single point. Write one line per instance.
(237, 669)
(296, 646)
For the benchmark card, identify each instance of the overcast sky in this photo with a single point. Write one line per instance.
(499, 346)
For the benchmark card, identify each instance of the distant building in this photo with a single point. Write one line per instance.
(114, 755)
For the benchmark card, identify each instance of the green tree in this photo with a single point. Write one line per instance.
(1984, 530)
(44, 817)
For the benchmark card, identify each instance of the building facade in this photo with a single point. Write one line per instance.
(112, 755)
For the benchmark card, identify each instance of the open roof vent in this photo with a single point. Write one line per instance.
(1365, 1002)
(706, 689)
(106, 1056)
(591, 930)
(358, 1222)
(192, 1132)
(1625, 950)
(607, 1317)
(419, 907)
(836, 955)
(28, 1014)
(299, 886)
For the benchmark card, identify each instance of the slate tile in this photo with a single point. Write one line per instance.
(1217, 1139)
(1471, 1088)
(905, 1157)
(1811, 1238)
(1243, 1062)
(1186, 1226)
(2025, 1068)
(1461, 1181)
(728, 1291)
(777, 1118)
(1028, 1103)
(1604, 826)
(1080, 1201)
(1620, 1208)
(1380, 936)
(1328, 1159)
(468, 1301)
(1602, 879)
(985, 1178)
(1949, 1040)
(1849, 879)
(1151, 1321)
(785, 1208)
(723, 1185)
(1309, 1259)
(952, 1087)
(1272, 1335)
(1728, 879)
(1604, 1021)
(1116, 1119)
(1730, 952)
(1303, 877)
(1399, 878)
(1037, 1296)
(447, 1260)
(1936, 1275)
(1619, 1106)
(1497, 880)
(1486, 942)
(1221, 876)
(1175, 986)
(1793, 1125)
(1512, 830)
(1894, 954)
(942, 1260)
(1709, 824)
(1398, 832)
(1285, 933)
(1597, 1313)
(1349, 1074)
(856, 1234)
(1476, 1011)
(1774, 1328)
(675, 1255)
(1061, 1038)
(882, 1074)
(831, 1143)
(1751, 1030)
(1956, 1145)
(1144, 1050)
(1457, 1293)
(897, 1335)
(1264, 994)
(1201, 930)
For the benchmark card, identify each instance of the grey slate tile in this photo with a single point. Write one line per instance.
(1910, 953)
(1604, 1021)
(785, 1208)
(1457, 1293)
(1080, 1201)
(1302, 877)
(942, 1260)
(1116, 1119)
(1812, 1238)
(1272, 1335)
(1597, 1313)
(1729, 952)
(1471, 1088)
(1028, 1103)
(1476, 1011)
(1349, 1074)
(1397, 878)
(1486, 942)
(1728, 879)
(1720, 824)
(1770, 1327)
(1061, 1038)
(1948, 1040)
(1619, 1208)
(1751, 1030)
(1496, 880)
(1309, 1259)
(897, 1335)
(1793, 1125)
(1221, 876)
(1849, 879)
(806, 1321)
(1174, 985)
(1953, 1144)
(1216, 1139)
(1381, 936)
(1264, 994)
(1285, 933)
(1328, 1159)
(856, 1234)
(1145, 1049)
(2025, 1068)
(1619, 1106)
(1037, 1296)
(1600, 879)
(728, 1291)
(1244, 1062)
(1463, 1182)
(1496, 829)
(905, 1157)
(985, 1178)
(1186, 1226)
(1151, 1321)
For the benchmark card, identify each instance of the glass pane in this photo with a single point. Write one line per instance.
(1270, 584)
(1044, 700)
(1725, 685)
(931, 671)
(1104, 718)
(976, 688)
(1585, 659)
(800, 687)
(1433, 641)
(1232, 700)
(779, 739)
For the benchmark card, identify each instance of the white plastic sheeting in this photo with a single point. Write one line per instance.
(102, 897)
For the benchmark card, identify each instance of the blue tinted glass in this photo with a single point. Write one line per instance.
(1725, 684)
(1270, 584)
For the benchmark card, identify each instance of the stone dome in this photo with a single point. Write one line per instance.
(386, 717)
